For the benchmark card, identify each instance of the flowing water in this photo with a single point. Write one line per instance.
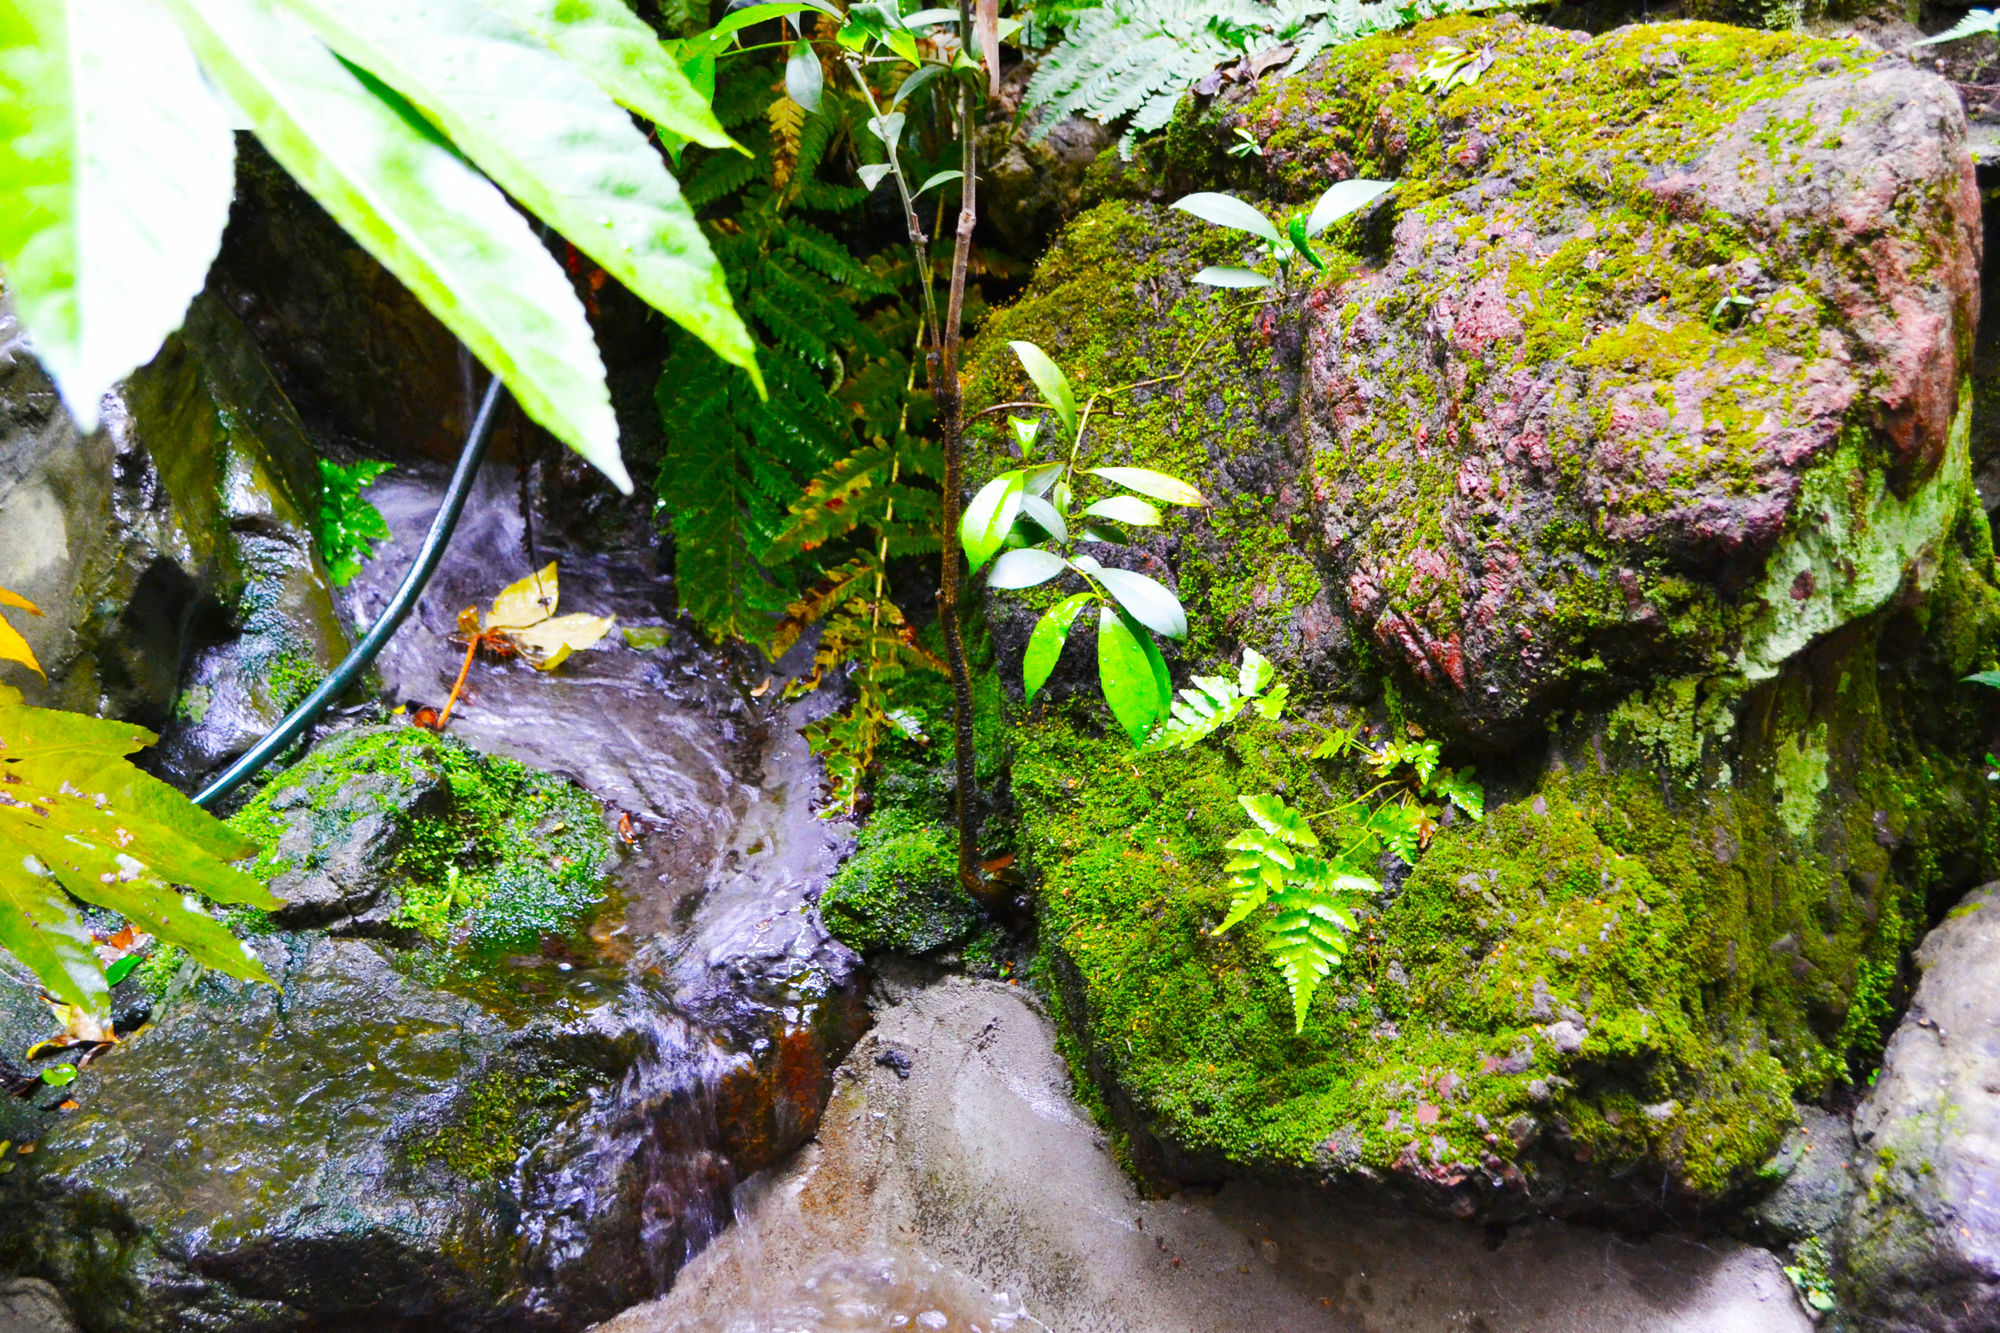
(740, 1001)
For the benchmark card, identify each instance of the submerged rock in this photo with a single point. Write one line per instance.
(1920, 1248)
(1622, 450)
(517, 1062)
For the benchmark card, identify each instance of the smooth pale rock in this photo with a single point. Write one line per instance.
(981, 1161)
(1921, 1249)
(31, 1306)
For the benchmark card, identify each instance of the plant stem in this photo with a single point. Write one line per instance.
(951, 408)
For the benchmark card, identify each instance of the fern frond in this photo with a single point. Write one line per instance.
(788, 120)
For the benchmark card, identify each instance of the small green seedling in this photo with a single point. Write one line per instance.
(1032, 519)
(1289, 247)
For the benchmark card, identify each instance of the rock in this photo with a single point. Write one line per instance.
(1034, 181)
(1920, 1248)
(981, 1176)
(900, 891)
(31, 1306)
(529, 1129)
(1814, 1182)
(1703, 657)
(172, 552)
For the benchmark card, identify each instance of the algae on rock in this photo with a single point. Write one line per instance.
(1694, 581)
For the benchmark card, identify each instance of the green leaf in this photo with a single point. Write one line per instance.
(1046, 514)
(940, 178)
(889, 128)
(1124, 509)
(550, 138)
(1146, 600)
(1279, 819)
(1148, 482)
(1025, 430)
(447, 234)
(989, 520)
(1131, 673)
(80, 818)
(1343, 198)
(1256, 674)
(1984, 678)
(984, 526)
(803, 77)
(1227, 211)
(117, 167)
(615, 48)
(1228, 275)
(121, 969)
(917, 80)
(1049, 378)
(1045, 644)
(872, 174)
(1025, 568)
(59, 1076)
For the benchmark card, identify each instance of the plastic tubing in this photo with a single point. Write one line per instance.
(364, 653)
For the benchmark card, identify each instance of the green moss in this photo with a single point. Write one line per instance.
(494, 1120)
(1659, 974)
(508, 856)
(899, 892)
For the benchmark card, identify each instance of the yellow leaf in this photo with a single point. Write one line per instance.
(14, 648)
(545, 645)
(528, 602)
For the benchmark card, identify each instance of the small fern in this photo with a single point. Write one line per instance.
(1314, 900)
(1132, 60)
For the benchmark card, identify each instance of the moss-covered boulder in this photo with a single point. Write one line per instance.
(899, 892)
(1623, 449)
(472, 1100)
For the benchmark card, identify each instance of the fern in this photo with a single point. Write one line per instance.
(734, 465)
(1215, 701)
(1132, 60)
(1315, 900)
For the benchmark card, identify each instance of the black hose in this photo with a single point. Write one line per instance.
(364, 653)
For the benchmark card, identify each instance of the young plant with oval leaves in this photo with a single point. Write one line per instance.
(1288, 245)
(1030, 521)
(405, 120)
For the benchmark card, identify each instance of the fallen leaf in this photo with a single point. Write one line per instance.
(14, 648)
(762, 690)
(524, 619)
(625, 829)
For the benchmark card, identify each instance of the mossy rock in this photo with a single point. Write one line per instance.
(1519, 449)
(1693, 592)
(396, 831)
(899, 892)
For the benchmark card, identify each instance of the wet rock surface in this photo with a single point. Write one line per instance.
(398, 1139)
(1920, 1245)
(172, 551)
(980, 1164)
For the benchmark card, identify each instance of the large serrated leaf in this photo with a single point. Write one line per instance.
(613, 46)
(77, 818)
(117, 167)
(553, 140)
(413, 204)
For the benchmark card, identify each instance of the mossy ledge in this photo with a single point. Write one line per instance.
(1733, 777)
